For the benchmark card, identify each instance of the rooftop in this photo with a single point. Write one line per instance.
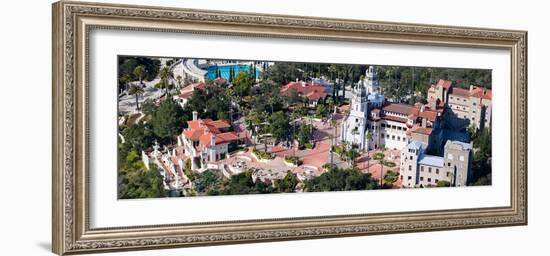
(445, 83)
(436, 161)
(400, 108)
(415, 144)
(458, 145)
(313, 91)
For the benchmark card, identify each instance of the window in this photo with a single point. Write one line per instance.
(409, 178)
(383, 125)
(452, 97)
(398, 138)
(474, 104)
(449, 164)
(393, 137)
(461, 158)
(450, 156)
(436, 171)
(430, 169)
(387, 136)
(421, 178)
(421, 168)
(411, 158)
(403, 138)
(401, 177)
(381, 134)
(410, 166)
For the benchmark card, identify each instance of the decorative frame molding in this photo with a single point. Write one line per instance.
(72, 22)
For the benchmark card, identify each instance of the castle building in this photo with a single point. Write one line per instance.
(354, 128)
(372, 122)
(421, 169)
(468, 107)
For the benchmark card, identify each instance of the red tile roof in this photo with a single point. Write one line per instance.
(460, 92)
(480, 92)
(428, 114)
(202, 130)
(220, 80)
(191, 87)
(399, 108)
(422, 130)
(445, 83)
(220, 124)
(193, 134)
(313, 91)
(395, 119)
(221, 138)
(186, 95)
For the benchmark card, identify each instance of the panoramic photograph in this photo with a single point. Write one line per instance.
(206, 127)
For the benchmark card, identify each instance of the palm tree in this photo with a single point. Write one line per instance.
(137, 91)
(139, 71)
(369, 138)
(125, 80)
(165, 75)
(180, 80)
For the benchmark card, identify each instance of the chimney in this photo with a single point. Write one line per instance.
(423, 122)
(303, 84)
(297, 80)
(471, 88)
(195, 115)
(422, 108)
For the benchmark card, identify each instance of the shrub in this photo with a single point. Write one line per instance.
(293, 160)
(388, 163)
(378, 156)
(263, 155)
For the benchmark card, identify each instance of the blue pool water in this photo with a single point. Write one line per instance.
(224, 70)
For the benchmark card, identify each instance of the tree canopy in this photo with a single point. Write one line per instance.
(168, 119)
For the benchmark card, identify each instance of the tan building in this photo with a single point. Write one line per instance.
(469, 107)
(421, 169)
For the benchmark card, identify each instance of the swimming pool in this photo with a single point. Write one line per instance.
(224, 70)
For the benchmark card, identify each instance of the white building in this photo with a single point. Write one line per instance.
(354, 128)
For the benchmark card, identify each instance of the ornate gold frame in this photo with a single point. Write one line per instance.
(72, 22)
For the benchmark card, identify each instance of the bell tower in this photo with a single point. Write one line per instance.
(371, 81)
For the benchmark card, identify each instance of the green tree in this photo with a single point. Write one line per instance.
(165, 75)
(139, 71)
(279, 125)
(337, 179)
(304, 134)
(135, 181)
(137, 91)
(127, 65)
(288, 184)
(148, 107)
(321, 110)
(139, 136)
(168, 120)
(242, 83)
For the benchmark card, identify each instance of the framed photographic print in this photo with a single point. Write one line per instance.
(179, 127)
